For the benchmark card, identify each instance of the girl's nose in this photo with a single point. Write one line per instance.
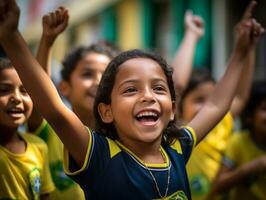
(147, 96)
(16, 97)
(98, 78)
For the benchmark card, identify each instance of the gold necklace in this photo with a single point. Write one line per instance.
(155, 182)
(152, 176)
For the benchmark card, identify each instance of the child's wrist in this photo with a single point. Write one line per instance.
(6, 38)
(192, 35)
(48, 39)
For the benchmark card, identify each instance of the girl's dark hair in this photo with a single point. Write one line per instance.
(106, 85)
(256, 97)
(5, 63)
(198, 76)
(71, 60)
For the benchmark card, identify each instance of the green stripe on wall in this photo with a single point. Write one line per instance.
(203, 51)
(109, 24)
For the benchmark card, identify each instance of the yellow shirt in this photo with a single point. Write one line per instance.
(26, 175)
(66, 188)
(206, 158)
(242, 149)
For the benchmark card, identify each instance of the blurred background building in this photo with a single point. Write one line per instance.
(147, 24)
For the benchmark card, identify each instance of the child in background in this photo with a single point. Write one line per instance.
(143, 151)
(24, 171)
(81, 73)
(205, 160)
(243, 170)
(53, 25)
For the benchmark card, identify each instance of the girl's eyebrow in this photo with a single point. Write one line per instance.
(127, 81)
(136, 80)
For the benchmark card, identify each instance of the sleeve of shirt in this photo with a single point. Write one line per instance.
(186, 142)
(47, 185)
(97, 157)
(43, 131)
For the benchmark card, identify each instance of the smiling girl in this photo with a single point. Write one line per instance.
(135, 152)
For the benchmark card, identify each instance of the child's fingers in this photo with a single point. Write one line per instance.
(198, 21)
(258, 30)
(8, 5)
(53, 19)
(249, 10)
(12, 5)
(3, 6)
(45, 20)
(61, 14)
(59, 17)
(188, 13)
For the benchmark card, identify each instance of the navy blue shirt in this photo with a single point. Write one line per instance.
(111, 171)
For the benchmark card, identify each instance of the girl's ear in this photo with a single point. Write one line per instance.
(105, 112)
(174, 107)
(64, 88)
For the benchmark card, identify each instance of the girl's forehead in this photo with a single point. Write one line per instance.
(140, 68)
(8, 73)
(140, 65)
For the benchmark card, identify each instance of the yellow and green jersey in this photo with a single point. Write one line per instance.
(242, 149)
(26, 175)
(65, 187)
(205, 160)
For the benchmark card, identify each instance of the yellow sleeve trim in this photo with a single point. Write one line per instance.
(86, 160)
(40, 128)
(113, 148)
(194, 136)
(177, 145)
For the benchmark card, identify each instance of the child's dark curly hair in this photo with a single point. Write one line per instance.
(5, 63)
(71, 60)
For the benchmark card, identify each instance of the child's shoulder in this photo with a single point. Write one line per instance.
(34, 140)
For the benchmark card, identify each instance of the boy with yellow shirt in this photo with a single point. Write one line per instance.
(243, 171)
(24, 170)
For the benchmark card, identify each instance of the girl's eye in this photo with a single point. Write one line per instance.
(5, 89)
(23, 90)
(159, 88)
(130, 90)
(87, 75)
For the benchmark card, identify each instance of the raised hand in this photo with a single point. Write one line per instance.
(55, 23)
(194, 23)
(9, 17)
(248, 29)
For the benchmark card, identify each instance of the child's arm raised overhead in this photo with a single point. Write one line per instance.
(183, 60)
(244, 85)
(53, 25)
(220, 100)
(69, 128)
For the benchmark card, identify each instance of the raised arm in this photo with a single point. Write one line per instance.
(39, 85)
(231, 177)
(220, 100)
(244, 84)
(183, 60)
(53, 25)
